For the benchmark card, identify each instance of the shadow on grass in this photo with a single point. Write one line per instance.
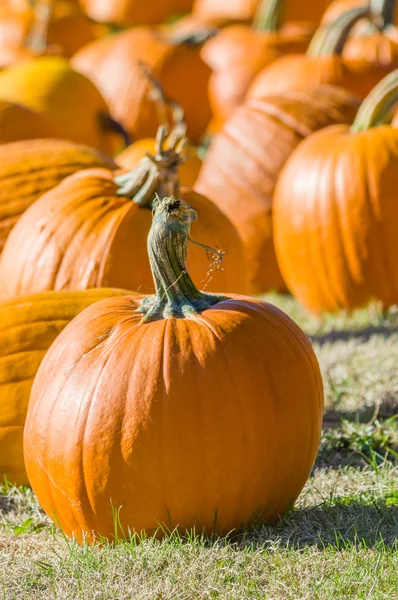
(338, 523)
(346, 335)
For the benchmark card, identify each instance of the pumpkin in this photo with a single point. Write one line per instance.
(28, 327)
(338, 7)
(114, 65)
(244, 161)
(18, 122)
(335, 211)
(178, 410)
(83, 233)
(48, 27)
(245, 10)
(239, 52)
(323, 63)
(30, 168)
(65, 97)
(133, 12)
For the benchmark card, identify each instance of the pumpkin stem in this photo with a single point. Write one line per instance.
(108, 123)
(197, 38)
(176, 294)
(375, 110)
(37, 38)
(331, 40)
(269, 16)
(382, 13)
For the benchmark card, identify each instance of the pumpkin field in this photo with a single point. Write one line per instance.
(199, 299)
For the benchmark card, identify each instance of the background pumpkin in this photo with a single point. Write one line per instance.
(133, 12)
(323, 63)
(239, 52)
(30, 168)
(18, 122)
(28, 327)
(236, 365)
(114, 66)
(65, 97)
(335, 211)
(244, 161)
(83, 234)
(245, 10)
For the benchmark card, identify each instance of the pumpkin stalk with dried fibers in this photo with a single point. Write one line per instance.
(127, 383)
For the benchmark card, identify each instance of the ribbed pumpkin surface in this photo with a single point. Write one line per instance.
(30, 168)
(28, 327)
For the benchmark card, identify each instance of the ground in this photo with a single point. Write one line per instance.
(339, 542)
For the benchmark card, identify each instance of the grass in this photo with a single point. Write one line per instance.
(339, 542)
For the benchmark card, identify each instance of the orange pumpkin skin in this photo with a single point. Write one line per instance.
(338, 7)
(13, 27)
(245, 159)
(335, 216)
(18, 122)
(28, 169)
(238, 53)
(85, 235)
(65, 97)
(131, 157)
(28, 327)
(114, 66)
(133, 12)
(245, 10)
(379, 49)
(114, 412)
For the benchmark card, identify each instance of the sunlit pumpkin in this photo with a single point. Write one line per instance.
(335, 211)
(28, 327)
(245, 159)
(18, 122)
(178, 410)
(28, 169)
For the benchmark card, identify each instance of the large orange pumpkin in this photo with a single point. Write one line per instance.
(84, 233)
(336, 211)
(246, 157)
(324, 63)
(245, 10)
(65, 97)
(239, 52)
(18, 122)
(28, 327)
(114, 65)
(180, 410)
(28, 169)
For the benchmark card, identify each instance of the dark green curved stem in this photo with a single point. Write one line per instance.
(376, 108)
(331, 40)
(176, 294)
(270, 16)
(382, 13)
(197, 38)
(108, 123)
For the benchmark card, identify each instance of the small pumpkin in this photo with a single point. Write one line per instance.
(338, 7)
(70, 101)
(323, 63)
(245, 10)
(239, 52)
(113, 419)
(28, 169)
(28, 327)
(335, 211)
(83, 233)
(114, 64)
(18, 122)
(245, 159)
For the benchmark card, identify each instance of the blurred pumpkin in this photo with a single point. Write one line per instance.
(245, 159)
(239, 52)
(70, 101)
(46, 27)
(114, 65)
(245, 10)
(30, 168)
(28, 327)
(335, 211)
(134, 12)
(113, 419)
(83, 233)
(338, 7)
(18, 122)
